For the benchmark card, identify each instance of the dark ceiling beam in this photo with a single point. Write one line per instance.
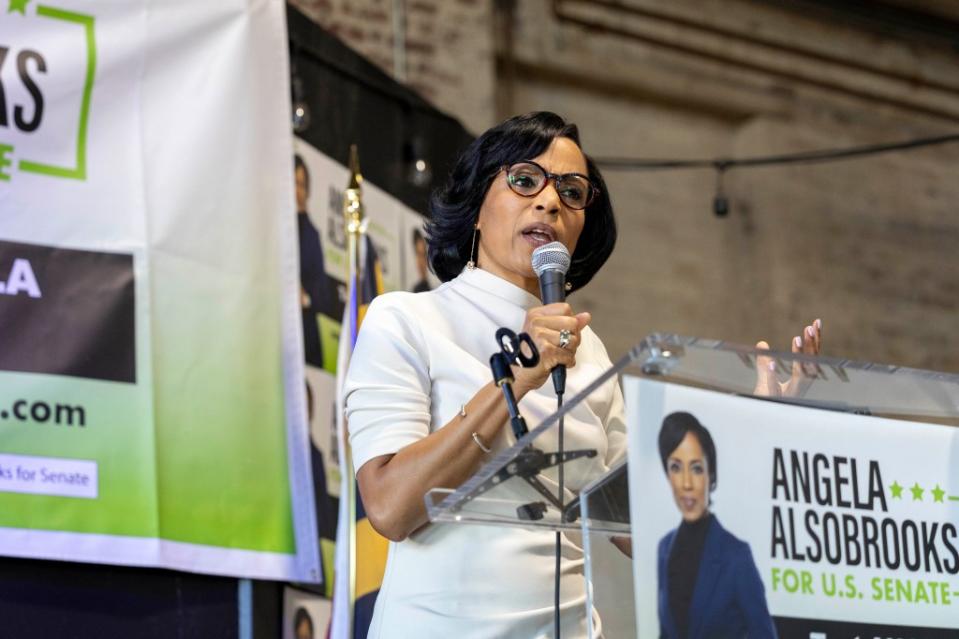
(562, 11)
(909, 23)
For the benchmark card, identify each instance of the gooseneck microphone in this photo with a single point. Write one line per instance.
(550, 263)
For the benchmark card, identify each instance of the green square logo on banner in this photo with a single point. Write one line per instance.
(27, 115)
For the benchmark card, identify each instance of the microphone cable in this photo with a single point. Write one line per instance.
(551, 262)
(559, 534)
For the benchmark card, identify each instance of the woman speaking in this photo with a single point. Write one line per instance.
(423, 412)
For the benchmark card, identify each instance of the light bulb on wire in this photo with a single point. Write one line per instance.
(720, 201)
(301, 110)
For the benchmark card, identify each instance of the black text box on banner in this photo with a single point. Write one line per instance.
(815, 629)
(67, 312)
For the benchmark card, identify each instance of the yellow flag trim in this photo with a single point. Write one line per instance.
(371, 551)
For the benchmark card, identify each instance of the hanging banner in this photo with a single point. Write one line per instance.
(152, 405)
(820, 523)
(320, 183)
(322, 237)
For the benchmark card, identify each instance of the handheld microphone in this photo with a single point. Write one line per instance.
(550, 263)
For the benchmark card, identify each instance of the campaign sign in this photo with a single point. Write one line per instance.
(152, 405)
(759, 517)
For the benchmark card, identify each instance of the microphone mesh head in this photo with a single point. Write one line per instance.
(550, 257)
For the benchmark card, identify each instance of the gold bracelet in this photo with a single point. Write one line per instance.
(479, 442)
(476, 438)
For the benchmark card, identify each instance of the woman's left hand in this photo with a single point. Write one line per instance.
(768, 384)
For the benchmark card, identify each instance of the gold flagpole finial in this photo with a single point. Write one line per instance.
(355, 178)
(353, 197)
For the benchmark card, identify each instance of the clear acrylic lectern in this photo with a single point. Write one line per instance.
(511, 490)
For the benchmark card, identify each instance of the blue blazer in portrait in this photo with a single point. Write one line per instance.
(728, 598)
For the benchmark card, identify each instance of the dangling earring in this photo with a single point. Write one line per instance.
(471, 265)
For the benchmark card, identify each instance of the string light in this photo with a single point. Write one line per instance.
(300, 119)
(721, 165)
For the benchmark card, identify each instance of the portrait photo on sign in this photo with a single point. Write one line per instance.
(763, 518)
(708, 584)
(305, 615)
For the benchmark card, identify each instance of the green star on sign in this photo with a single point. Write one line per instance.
(896, 490)
(916, 492)
(938, 494)
(20, 6)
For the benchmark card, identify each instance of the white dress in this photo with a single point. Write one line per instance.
(418, 358)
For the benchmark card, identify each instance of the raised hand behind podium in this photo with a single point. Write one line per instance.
(767, 381)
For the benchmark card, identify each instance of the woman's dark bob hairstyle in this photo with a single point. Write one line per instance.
(454, 209)
(298, 163)
(671, 434)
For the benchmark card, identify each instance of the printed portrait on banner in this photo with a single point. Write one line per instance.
(793, 521)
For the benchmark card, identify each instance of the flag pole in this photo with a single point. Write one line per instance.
(353, 215)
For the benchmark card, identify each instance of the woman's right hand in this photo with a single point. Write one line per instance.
(543, 324)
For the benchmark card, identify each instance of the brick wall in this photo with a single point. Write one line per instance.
(448, 54)
(869, 246)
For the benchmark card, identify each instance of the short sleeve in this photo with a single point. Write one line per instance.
(387, 388)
